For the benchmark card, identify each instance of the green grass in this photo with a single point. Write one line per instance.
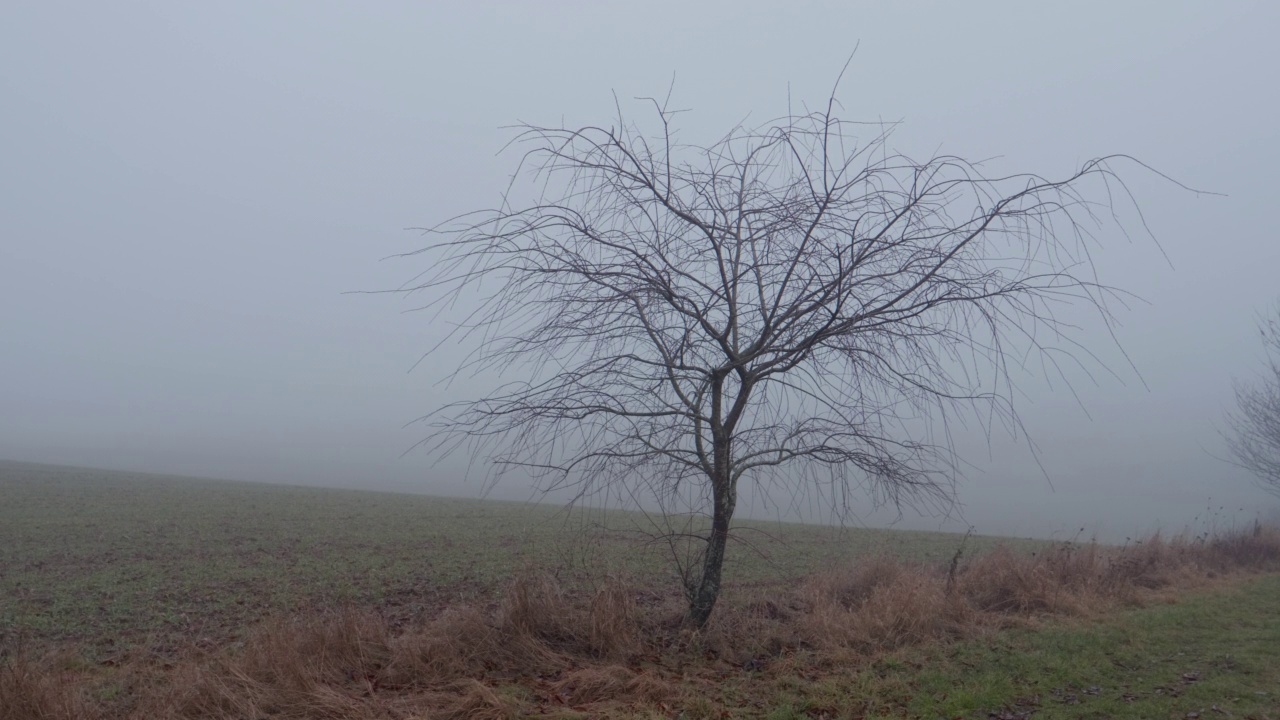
(114, 560)
(1214, 654)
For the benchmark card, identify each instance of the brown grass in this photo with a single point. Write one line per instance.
(32, 690)
(612, 623)
(546, 649)
(613, 683)
(473, 700)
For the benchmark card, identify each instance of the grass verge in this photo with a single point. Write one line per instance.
(1213, 654)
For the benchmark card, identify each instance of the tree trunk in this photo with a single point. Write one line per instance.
(724, 498)
(704, 600)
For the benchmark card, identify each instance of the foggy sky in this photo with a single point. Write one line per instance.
(186, 190)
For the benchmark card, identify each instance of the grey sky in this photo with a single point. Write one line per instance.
(186, 189)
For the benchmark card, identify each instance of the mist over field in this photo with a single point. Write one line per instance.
(187, 192)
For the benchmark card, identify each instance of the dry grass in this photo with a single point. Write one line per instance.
(544, 649)
(612, 628)
(613, 683)
(880, 604)
(32, 690)
(473, 700)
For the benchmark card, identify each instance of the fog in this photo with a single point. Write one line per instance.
(187, 190)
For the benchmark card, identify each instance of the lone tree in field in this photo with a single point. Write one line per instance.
(1254, 426)
(794, 305)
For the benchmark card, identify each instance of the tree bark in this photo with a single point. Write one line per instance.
(704, 600)
(725, 498)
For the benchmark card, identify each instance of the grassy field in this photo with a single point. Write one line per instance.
(113, 559)
(130, 596)
(1213, 654)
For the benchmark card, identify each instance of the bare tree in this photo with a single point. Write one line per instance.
(794, 305)
(1254, 426)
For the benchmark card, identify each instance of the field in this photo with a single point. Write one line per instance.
(118, 589)
(111, 559)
